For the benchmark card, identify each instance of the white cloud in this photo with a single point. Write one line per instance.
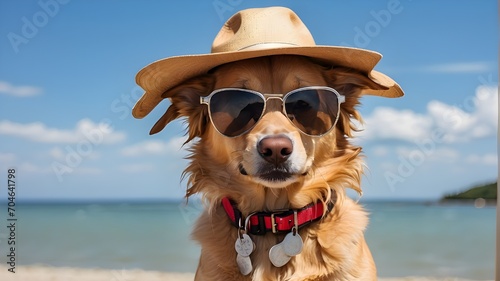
(136, 168)
(84, 131)
(87, 171)
(487, 104)
(7, 158)
(442, 154)
(390, 123)
(27, 167)
(486, 159)
(57, 153)
(460, 67)
(474, 118)
(174, 146)
(380, 151)
(32, 168)
(18, 91)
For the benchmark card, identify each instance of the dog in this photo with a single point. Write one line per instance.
(272, 158)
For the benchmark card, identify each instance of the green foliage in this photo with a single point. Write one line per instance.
(487, 191)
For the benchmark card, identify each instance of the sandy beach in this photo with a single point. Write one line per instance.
(45, 273)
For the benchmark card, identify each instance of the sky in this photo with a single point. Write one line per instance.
(67, 87)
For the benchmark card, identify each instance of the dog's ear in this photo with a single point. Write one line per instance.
(351, 84)
(185, 102)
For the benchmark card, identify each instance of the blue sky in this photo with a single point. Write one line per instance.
(67, 85)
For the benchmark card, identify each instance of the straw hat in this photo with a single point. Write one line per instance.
(256, 33)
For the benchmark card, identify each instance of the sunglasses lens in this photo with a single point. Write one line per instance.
(234, 112)
(313, 111)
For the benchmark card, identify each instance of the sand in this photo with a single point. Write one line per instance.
(45, 273)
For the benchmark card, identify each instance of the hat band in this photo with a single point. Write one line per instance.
(265, 46)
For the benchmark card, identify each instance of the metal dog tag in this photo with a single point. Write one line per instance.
(292, 244)
(244, 264)
(244, 246)
(277, 255)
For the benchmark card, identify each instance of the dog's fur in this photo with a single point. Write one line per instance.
(321, 168)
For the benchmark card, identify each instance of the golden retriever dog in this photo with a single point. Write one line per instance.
(312, 169)
(270, 116)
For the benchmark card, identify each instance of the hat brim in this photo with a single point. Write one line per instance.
(162, 75)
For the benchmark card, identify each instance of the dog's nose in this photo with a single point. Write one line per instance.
(275, 149)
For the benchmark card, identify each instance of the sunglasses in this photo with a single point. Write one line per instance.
(313, 110)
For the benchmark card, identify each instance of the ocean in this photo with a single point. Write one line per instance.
(406, 238)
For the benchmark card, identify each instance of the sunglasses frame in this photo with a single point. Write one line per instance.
(265, 97)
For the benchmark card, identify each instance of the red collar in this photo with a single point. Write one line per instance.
(281, 221)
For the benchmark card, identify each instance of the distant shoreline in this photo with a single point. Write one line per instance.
(420, 201)
(484, 192)
(478, 202)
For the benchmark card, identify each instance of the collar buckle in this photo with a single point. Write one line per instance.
(273, 222)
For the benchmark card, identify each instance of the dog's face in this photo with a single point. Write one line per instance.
(273, 153)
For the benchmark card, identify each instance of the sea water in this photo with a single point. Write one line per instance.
(422, 239)
(405, 238)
